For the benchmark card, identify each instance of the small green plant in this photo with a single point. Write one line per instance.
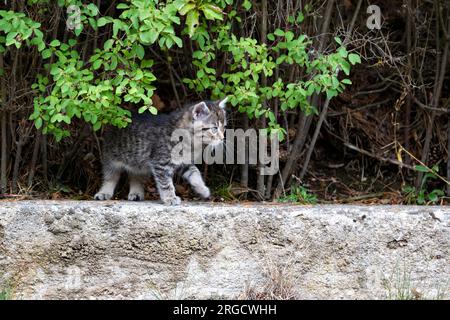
(421, 196)
(5, 291)
(227, 190)
(56, 187)
(224, 192)
(299, 195)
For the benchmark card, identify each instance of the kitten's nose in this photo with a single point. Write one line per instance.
(221, 136)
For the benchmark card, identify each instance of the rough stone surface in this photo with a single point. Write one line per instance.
(128, 250)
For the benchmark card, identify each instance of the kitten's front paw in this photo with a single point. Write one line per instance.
(175, 201)
(204, 193)
(102, 196)
(135, 197)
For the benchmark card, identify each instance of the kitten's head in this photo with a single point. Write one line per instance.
(208, 119)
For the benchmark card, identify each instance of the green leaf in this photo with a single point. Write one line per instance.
(162, 41)
(300, 17)
(78, 30)
(108, 44)
(103, 21)
(421, 168)
(433, 197)
(354, 58)
(146, 63)
(97, 64)
(211, 12)
(46, 53)
(140, 52)
(153, 110)
(113, 64)
(345, 67)
(289, 35)
(148, 37)
(41, 45)
(139, 74)
(142, 109)
(64, 47)
(38, 34)
(178, 41)
(338, 40)
(93, 23)
(280, 59)
(66, 119)
(246, 4)
(346, 81)
(279, 32)
(186, 8)
(93, 9)
(421, 198)
(10, 38)
(38, 123)
(331, 93)
(343, 52)
(117, 24)
(55, 43)
(97, 126)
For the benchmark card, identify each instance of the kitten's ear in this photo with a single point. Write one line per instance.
(222, 103)
(200, 111)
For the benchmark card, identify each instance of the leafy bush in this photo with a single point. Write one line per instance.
(118, 73)
(249, 61)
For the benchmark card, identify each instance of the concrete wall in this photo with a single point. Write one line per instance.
(127, 250)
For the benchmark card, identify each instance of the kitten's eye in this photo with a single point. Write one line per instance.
(213, 130)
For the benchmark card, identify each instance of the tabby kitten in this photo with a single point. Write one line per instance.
(145, 147)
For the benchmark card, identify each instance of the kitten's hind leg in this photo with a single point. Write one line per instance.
(136, 189)
(111, 176)
(163, 178)
(193, 176)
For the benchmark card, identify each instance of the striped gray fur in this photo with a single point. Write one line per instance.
(145, 146)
